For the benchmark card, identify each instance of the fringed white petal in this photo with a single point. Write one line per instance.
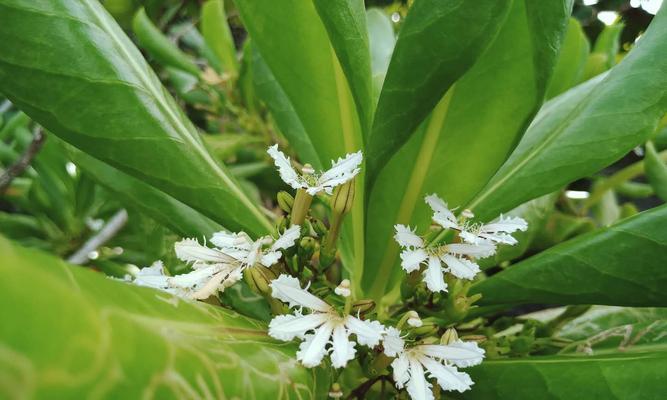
(480, 250)
(401, 367)
(287, 327)
(506, 225)
(448, 377)
(368, 332)
(392, 342)
(342, 348)
(341, 171)
(418, 387)
(459, 267)
(285, 169)
(231, 242)
(412, 259)
(152, 276)
(442, 215)
(434, 277)
(189, 250)
(195, 279)
(406, 237)
(313, 348)
(287, 239)
(460, 353)
(268, 259)
(287, 289)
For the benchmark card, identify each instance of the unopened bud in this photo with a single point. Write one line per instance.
(259, 278)
(363, 306)
(343, 198)
(414, 320)
(336, 392)
(319, 227)
(344, 288)
(426, 328)
(307, 247)
(308, 169)
(285, 201)
(450, 336)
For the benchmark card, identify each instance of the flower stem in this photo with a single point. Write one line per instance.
(301, 206)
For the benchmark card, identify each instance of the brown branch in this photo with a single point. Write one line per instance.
(18, 167)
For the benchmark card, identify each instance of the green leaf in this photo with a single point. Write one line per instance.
(621, 265)
(294, 44)
(218, 36)
(345, 22)
(68, 332)
(656, 171)
(159, 46)
(608, 43)
(106, 101)
(438, 42)
(586, 128)
(630, 375)
(457, 150)
(571, 60)
(381, 42)
(181, 219)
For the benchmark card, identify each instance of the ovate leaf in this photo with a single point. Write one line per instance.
(621, 265)
(586, 128)
(71, 333)
(438, 43)
(73, 70)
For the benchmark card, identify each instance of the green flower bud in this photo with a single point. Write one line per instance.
(307, 247)
(363, 306)
(450, 336)
(426, 328)
(335, 392)
(285, 201)
(319, 227)
(343, 198)
(259, 278)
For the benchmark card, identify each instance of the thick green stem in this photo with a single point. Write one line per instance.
(300, 208)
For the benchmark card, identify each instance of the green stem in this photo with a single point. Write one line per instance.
(300, 208)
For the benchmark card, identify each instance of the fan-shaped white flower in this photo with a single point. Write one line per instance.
(495, 232)
(323, 331)
(440, 361)
(314, 182)
(215, 269)
(416, 253)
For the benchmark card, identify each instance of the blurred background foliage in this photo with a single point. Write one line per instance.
(58, 200)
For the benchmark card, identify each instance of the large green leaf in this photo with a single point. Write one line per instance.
(73, 70)
(571, 60)
(381, 42)
(438, 43)
(623, 376)
(181, 219)
(293, 41)
(586, 128)
(458, 149)
(72, 333)
(620, 265)
(345, 22)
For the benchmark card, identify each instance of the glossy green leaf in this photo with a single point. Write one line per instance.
(218, 36)
(106, 101)
(571, 60)
(72, 333)
(457, 150)
(345, 22)
(586, 128)
(181, 219)
(438, 42)
(159, 46)
(656, 171)
(608, 43)
(621, 265)
(622, 376)
(293, 42)
(381, 42)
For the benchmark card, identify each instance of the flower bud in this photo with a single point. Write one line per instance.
(285, 201)
(414, 320)
(307, 247)
(426, 328)
(363, 306)
(450, 336)
(259, 278)
(319, 227)
(335, 392)
(344, 288)
(343, 198)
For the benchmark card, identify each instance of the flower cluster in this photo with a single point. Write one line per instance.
(457, 258)
(306, 302)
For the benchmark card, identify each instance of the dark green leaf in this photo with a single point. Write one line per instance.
(586, 128)
(438, 43)
(72, 333)
(571, 60)
(620, 265)
(106, 101)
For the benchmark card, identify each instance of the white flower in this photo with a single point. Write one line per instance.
(495, 232)
(330, 331)
(440, 361)
(416, 253)
(340, 172)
